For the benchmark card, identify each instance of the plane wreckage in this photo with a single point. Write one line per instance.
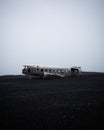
(45, 72)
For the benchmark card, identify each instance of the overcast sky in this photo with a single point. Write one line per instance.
(61, 33)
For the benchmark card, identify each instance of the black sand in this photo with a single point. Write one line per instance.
(52, 104)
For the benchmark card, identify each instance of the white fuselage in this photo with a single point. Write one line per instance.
(50, 71)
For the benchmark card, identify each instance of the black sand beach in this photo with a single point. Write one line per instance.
(52, 104)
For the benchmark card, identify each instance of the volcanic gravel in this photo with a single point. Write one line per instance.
(52, 104)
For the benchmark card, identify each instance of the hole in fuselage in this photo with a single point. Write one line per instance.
(29, 70)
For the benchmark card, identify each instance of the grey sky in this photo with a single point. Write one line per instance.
(52, 32)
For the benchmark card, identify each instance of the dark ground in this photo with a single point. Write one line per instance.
(52, 104)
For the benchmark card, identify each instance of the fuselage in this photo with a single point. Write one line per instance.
(50, 71)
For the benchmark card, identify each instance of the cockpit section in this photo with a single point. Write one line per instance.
(75, 71)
